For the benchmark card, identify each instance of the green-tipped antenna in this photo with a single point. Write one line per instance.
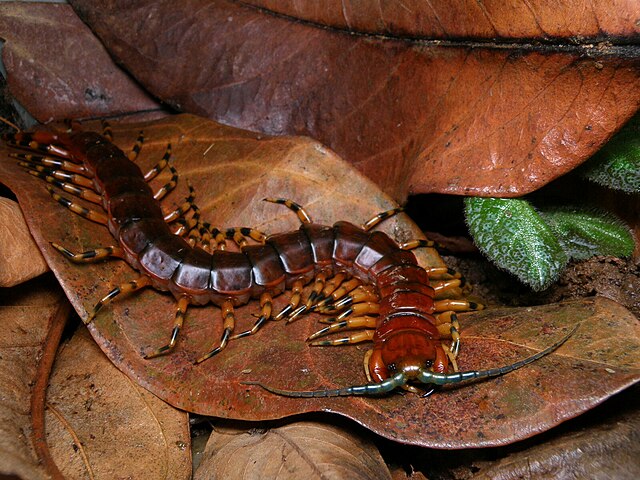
(425, 376)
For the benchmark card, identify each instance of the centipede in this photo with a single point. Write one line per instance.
(368, 287)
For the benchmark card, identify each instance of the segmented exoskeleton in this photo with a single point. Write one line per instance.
(365, 279)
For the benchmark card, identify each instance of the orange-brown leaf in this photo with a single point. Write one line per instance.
(413, 112)
(232, 171)
(20, 260)
(100, 423)
(309, 450)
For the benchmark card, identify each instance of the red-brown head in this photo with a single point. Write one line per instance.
(408, 344)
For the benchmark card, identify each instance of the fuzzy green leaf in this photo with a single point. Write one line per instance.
(617, 164)
(584, 233)
(512, 234)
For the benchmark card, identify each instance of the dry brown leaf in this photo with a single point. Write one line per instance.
(607, 451)
(231, 171)
(466, 18)
(308, 450)
(56, 68)
(413, 113)
(20, 260)
(26, 312)
(98, 421)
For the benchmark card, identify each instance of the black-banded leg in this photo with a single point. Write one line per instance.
(443, 286)
(314, 295)
(436, 273)
(90, 256)
(158, 167)
(294, 300)
(181, 309)
(357, 309)
(240, 235)
(128, 287)
(418, 243)
(228, 324)
(266, 306)
(372, 222)
(182, 209)
(40, 141)
(218, 236)
(456, 305)
(85, 193)
(137, 146)
(38, 162)
(364, 323)
(327, 306)
(42, 171)
(448, 327)
(107, 132)
(293, 206)
(167, 187)
(92, 215)
(329, 287)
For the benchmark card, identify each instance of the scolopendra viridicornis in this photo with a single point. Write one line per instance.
(370, 283)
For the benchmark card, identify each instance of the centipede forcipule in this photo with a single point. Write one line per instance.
(368, 283)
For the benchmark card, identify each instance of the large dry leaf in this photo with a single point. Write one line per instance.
(231, 171)
(26, 311)
(468, 19)
(609, 449)
(66, 73)
(101, 425)
(20, 260)
(307, 450)
(413, 113)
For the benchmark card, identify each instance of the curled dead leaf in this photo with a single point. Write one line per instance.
(27, 311)
(20, 260)
(309, 450)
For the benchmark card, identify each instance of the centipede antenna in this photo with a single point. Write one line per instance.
(368, 389)
(424, 376)
(429, 377)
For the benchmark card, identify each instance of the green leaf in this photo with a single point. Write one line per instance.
(512, 234)
(617, 164)
(584, 233)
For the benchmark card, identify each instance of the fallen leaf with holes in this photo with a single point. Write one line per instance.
(20, 260)
(307, 450)
(100, 424)
(414, 101)
(66, 73)
(26, 311)
(232, 170)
